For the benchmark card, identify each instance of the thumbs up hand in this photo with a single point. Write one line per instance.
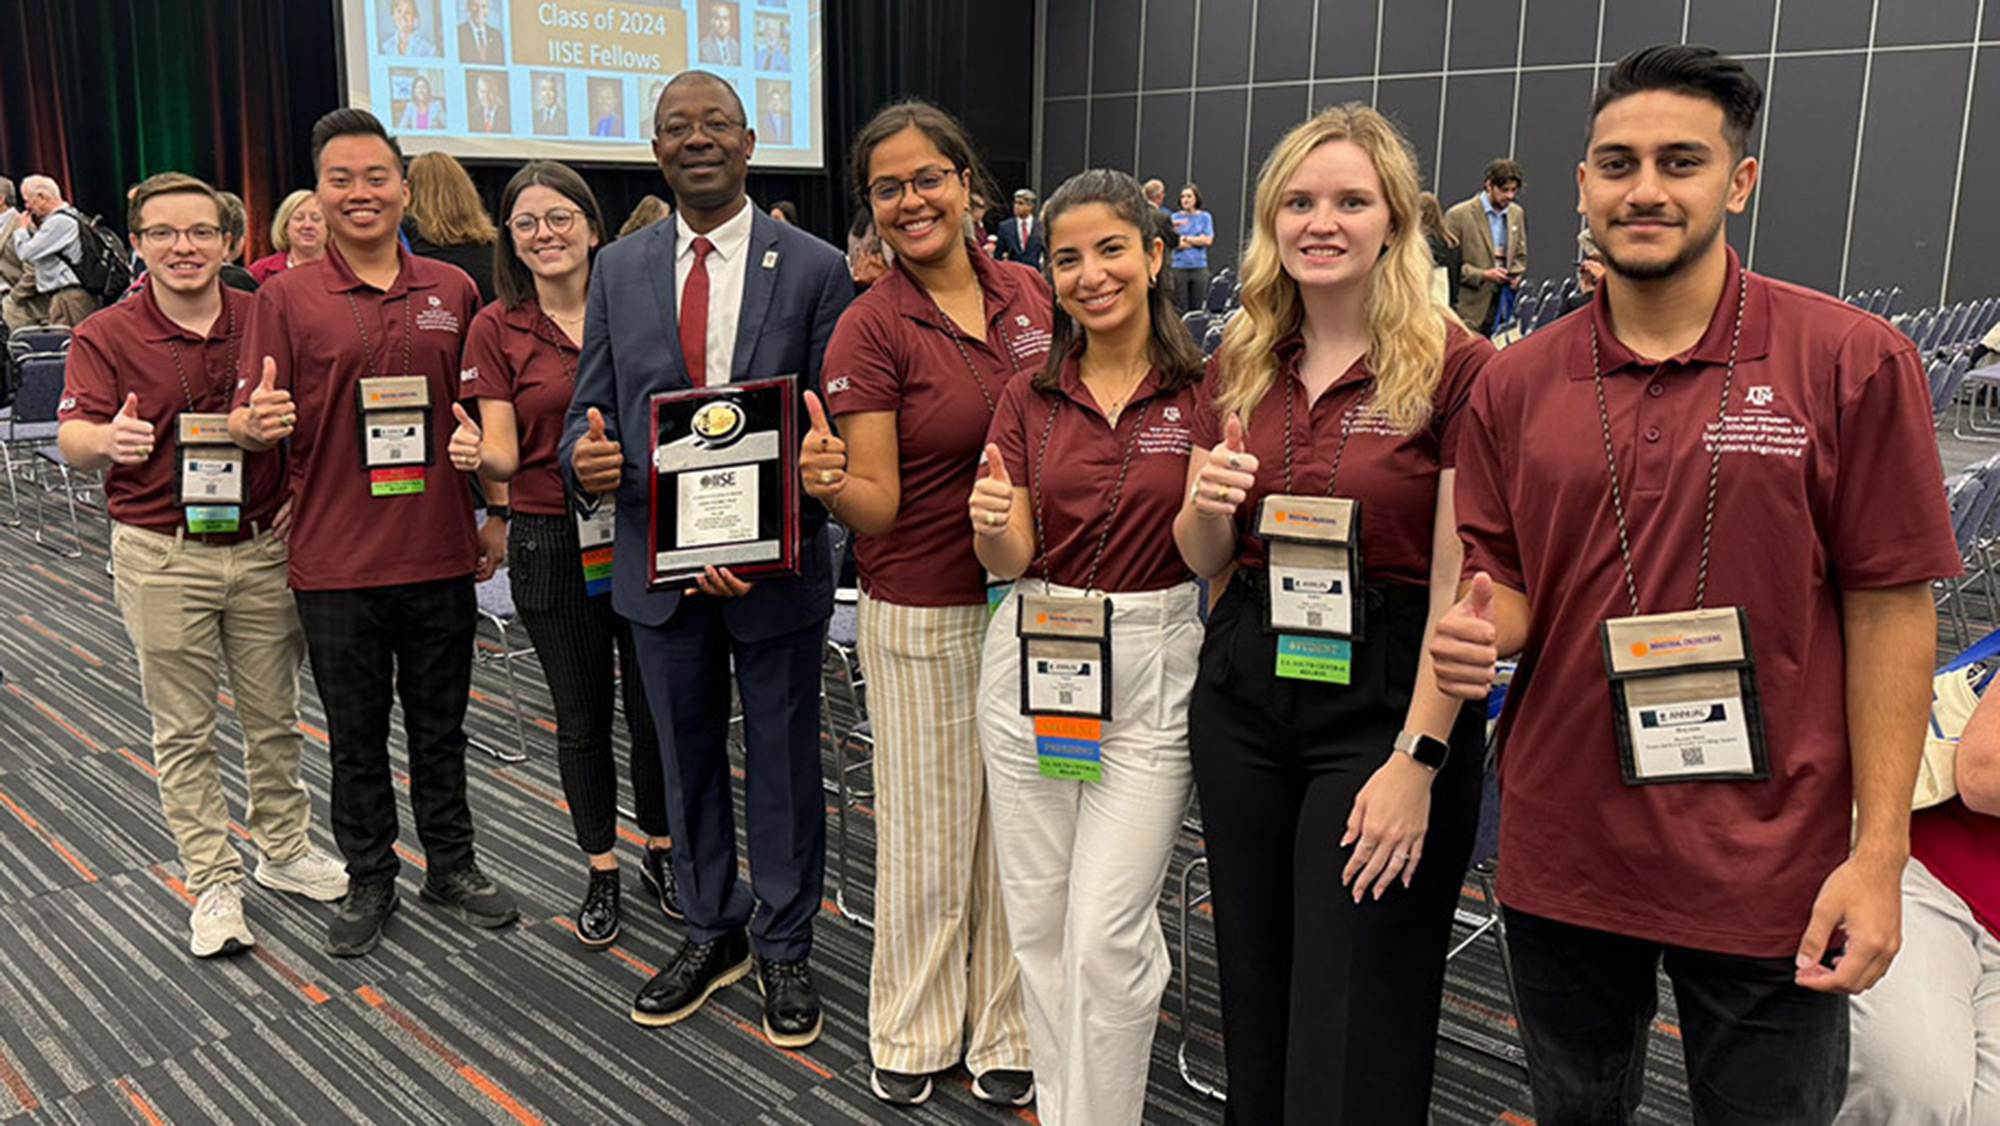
(465, 441)
(1228, 476)
(272, 415)
(599, 462)
(822, 456)
(1464, 646)
(992, 504)
(131, 437)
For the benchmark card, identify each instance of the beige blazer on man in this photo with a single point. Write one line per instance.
(1466, 222)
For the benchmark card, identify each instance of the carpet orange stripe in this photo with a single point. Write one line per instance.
(88, 594)
(140, 1104)
(411, 857)
(451, 1059)
(58, 720)
(278, 966)
(10, 1078)
(59, 639)
(538, 721)
(1512, 1119)
(49, 838)
(526, 787)
(1673, 1030)
(139, 762)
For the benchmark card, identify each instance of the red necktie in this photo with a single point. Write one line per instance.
(694, 315)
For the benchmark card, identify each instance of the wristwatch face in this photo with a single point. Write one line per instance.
(1429, 751)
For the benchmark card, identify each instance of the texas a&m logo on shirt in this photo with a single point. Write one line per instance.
(434, 317)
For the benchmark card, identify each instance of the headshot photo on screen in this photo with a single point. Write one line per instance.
(413, 98)
(607, 107)
(486, 102)
(551, 106)
(774, 43)
(774, 111)
(410, 28)
(480, 36)
(652, 103)
(720, 38)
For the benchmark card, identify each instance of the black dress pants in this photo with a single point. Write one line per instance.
(1329, 1008)
(414, 641)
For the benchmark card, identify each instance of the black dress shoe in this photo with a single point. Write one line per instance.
(791, 1004)
(357, 924)
(597, 917)
(697, 971)
(657, 873)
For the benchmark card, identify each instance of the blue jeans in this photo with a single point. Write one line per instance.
(1760, 1049)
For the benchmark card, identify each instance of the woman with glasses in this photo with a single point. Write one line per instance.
(520, 362)
(913, 373)
(298, 236)
(1085, 471)
(1339, 785)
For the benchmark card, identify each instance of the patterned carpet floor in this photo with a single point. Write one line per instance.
(105, 1018)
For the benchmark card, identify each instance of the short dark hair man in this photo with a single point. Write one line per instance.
(1491, 232)
(1743, 563)
(356, 362)
(750, 298)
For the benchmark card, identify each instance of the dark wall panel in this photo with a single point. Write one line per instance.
(1284, 40)
(1114, 60)
(1326, 94)
(1815, 108)
(1066, 50)
(1114, 126)
(1169, 44)
(1628, 26)
(1218, 166)
(1739, 27)
(1346, 41)
(1477, 109)
(1909, 156)
(1223, 56)
(1925, 21)
(1823, 24)
(1412, 103)
(1560, 31)
(1163, 136)
(1975, 257)
(1548, 143)
(1485, 34)
(1413, 36)
(1062, 141)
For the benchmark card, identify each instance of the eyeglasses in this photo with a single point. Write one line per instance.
(929, 182)
(201, 235)
(680, 129)
(559, 219)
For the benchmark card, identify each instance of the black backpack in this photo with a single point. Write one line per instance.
(103, 264)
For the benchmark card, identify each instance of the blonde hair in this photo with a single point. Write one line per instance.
(445, 204)
(1406, 330)
(281, 236)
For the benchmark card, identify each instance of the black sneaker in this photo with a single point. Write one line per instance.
(357, 925)
(657, 873)
(1004, 1086)
(898, 1089)
(597, 917)
(466, 892)
(791, 1004)
(697, 971)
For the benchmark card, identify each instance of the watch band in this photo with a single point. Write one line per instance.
(499, 512)
(1428, 751)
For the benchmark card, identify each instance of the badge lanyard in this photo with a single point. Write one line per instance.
(395, 416)
(210, 467)
(995, 589)
(1683, 685)
(597, 517)
(1313, 586)
(1066, 639)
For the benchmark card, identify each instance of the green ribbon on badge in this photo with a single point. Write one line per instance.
(1323, 659)
(203, 519)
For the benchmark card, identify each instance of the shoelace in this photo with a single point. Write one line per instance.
(796, 971)
(221, 900)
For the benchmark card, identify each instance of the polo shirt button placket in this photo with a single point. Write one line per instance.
(1652, 433)
(1656, 389)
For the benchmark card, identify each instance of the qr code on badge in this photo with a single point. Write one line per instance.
(1313, 619)
(1692, 756)
(1066, 697)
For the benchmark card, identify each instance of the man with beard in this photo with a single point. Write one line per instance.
(1721, 600)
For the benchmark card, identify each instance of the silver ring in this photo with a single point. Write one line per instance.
(1400, 857)
(826, 476)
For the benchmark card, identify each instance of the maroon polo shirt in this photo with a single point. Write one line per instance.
(520, 356)
(1073, 479)
(130, 348)
(1394, 475)
(343, 537)
(1829, 480)
(894, 350)
(1962, 849)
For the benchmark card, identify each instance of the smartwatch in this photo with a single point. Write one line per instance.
(499, 512)
(1429, 752)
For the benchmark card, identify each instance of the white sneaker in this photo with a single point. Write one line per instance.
(314, 875)
(217, 925)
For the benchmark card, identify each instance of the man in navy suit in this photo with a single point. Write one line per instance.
(773, 294)
(1021, 237)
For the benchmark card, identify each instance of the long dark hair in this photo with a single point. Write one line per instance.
(1170, 347)
(511, 277)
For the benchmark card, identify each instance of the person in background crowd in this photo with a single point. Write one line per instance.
(649, 210)
(1197, 230)
(1086, 463)
(46, 239)
(448, 222)
(1339, 786)
(1020, 238)
(1491, 233)
(8, 211)
(236, 229)
(383, 552)
(298, 236)
(520, 366)
(200, 584)
(1622, 500)
(1589, 272)
(913, 374)
(1444, 251)
(786, 212)
(868, 257)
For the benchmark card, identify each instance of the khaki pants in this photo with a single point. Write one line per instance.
(944, 976)
(63, 307)
(189, 608)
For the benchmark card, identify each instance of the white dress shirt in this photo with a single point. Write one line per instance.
(726, 270)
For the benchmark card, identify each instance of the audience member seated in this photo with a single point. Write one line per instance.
(298, 236)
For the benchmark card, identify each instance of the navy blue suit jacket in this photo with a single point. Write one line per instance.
(794, 289)
(1011, 249)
